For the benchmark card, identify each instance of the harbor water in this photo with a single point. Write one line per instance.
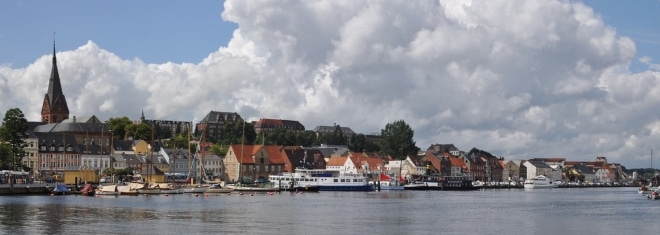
(490, 211)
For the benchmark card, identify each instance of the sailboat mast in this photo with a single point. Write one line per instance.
(240, 162)
(189, 154)
(201, 158)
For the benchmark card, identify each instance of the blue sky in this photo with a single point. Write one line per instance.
(635, 20)
(517, 78)
(154, 31)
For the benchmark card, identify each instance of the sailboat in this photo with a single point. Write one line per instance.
(199, 188)
(648, 189)
(241, 186)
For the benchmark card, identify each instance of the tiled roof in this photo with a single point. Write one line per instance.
(243, 153)
(336, 161)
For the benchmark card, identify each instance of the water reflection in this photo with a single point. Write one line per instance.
(404, 212)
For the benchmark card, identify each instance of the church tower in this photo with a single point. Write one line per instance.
(54, 108)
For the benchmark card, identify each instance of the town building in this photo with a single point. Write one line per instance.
(266, 125)
(214, 123)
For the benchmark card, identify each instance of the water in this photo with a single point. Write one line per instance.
(506, 211)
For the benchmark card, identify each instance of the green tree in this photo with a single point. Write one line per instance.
(5, 152)
(306, 138)
(220, 150)
(118, 127)
(13, 132)
(397, 140)
(142, 131)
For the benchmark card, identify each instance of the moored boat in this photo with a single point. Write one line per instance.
(253, 188)
(87, 190)
(195, 189)
(110, 189)
(446, 183)
(217, 188)
(540, 181)
(326, 180)
(386, 182)
(61, 189)
(130, 188)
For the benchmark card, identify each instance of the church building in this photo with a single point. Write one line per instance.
(54, 108)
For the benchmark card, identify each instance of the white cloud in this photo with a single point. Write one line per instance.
(519, 79)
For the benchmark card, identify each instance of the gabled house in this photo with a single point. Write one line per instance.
(302, 158)
(537, 168)
(458, 167)
(251, 162)
(342, 164)
(434, 164)
(513, 169)
(441, 148)
(584, 170)
(476, 165)
(604, 174)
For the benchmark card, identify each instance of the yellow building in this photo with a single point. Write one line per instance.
(83, 174)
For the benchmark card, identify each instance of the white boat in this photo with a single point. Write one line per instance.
(195, 189)
(646, 189)
(540, 181)
(107, 190)
(325, 180)
(217, 188)
(130, 189)
(653, 195)
(388, 183)
(252, 188)
(160, 188)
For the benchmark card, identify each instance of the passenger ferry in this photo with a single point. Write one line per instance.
(540, 181)
(447, 183)
(325, 180)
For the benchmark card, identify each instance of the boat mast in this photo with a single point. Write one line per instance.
(201, 158)
(189, 154)
(151, 156)
(240, 162)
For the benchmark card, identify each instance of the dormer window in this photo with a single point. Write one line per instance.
(52, 148)
(43, 148)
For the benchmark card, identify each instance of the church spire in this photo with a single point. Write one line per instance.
(54, 84)
(55, 108)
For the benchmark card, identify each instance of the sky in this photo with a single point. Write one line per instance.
(520, 79)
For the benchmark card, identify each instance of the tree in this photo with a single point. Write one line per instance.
(358, 143)
(5, 152)
(118, 127)
(13, 133)
(219, 150)
(142, 131)
(397, 140)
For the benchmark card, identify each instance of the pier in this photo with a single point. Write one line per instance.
(25, 189)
